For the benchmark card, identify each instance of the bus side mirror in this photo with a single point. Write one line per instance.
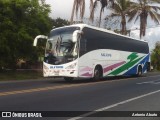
(76, 35)
(38, 37)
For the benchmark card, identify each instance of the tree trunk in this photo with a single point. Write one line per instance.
(123, 23)
(100, 17)
(73, 10)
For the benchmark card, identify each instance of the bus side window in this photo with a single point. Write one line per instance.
(83, 44)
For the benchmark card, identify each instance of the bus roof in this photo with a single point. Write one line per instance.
(103, 30)
(99, 29)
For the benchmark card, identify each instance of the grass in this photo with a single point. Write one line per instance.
(20, 75)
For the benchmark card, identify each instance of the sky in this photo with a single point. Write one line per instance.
(60, 8)
(63, 9)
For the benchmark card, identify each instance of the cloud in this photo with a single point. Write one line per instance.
(152, 36)
(60, 8)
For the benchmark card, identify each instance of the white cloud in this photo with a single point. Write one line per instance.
(152, 36)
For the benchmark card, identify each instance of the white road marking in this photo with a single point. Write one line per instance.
(114, 105)
(150, 82)
(156, 83)
(145, 82)
(154, 76)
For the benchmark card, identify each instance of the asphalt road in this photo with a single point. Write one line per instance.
(111, 94)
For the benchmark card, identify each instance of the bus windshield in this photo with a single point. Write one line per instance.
(60, 48)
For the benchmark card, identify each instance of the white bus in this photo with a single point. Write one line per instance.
(89, 52)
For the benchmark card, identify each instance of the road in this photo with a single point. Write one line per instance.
(113, 94)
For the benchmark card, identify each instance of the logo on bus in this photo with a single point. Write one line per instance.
(106, 55)
(56, 67)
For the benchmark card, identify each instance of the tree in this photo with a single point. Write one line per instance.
(120, 9)
(104, 3)
(141, 11)
(59, 22)
(20, 22)
(79, 5)
(155, 56)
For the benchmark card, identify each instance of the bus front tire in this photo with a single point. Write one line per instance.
(98, 73)
(68, 79)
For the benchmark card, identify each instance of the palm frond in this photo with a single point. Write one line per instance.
(155, 17)
(114, 15)
(104, 3)
(154, 1)
(155, 8)
(132, 14)
(78, 6)
(138, 15)
(112, 2)
(117, 7)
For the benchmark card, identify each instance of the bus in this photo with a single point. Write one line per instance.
(83, 51)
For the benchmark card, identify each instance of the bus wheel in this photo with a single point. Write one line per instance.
(139, 73)
(68, 79)
(98, 73)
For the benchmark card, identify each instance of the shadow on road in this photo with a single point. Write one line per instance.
(84, 80)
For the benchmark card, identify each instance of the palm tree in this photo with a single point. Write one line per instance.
(79, 6)
(104, 3)
(142, 10)
(121, 8)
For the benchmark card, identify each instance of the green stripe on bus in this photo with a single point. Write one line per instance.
(125, 67)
